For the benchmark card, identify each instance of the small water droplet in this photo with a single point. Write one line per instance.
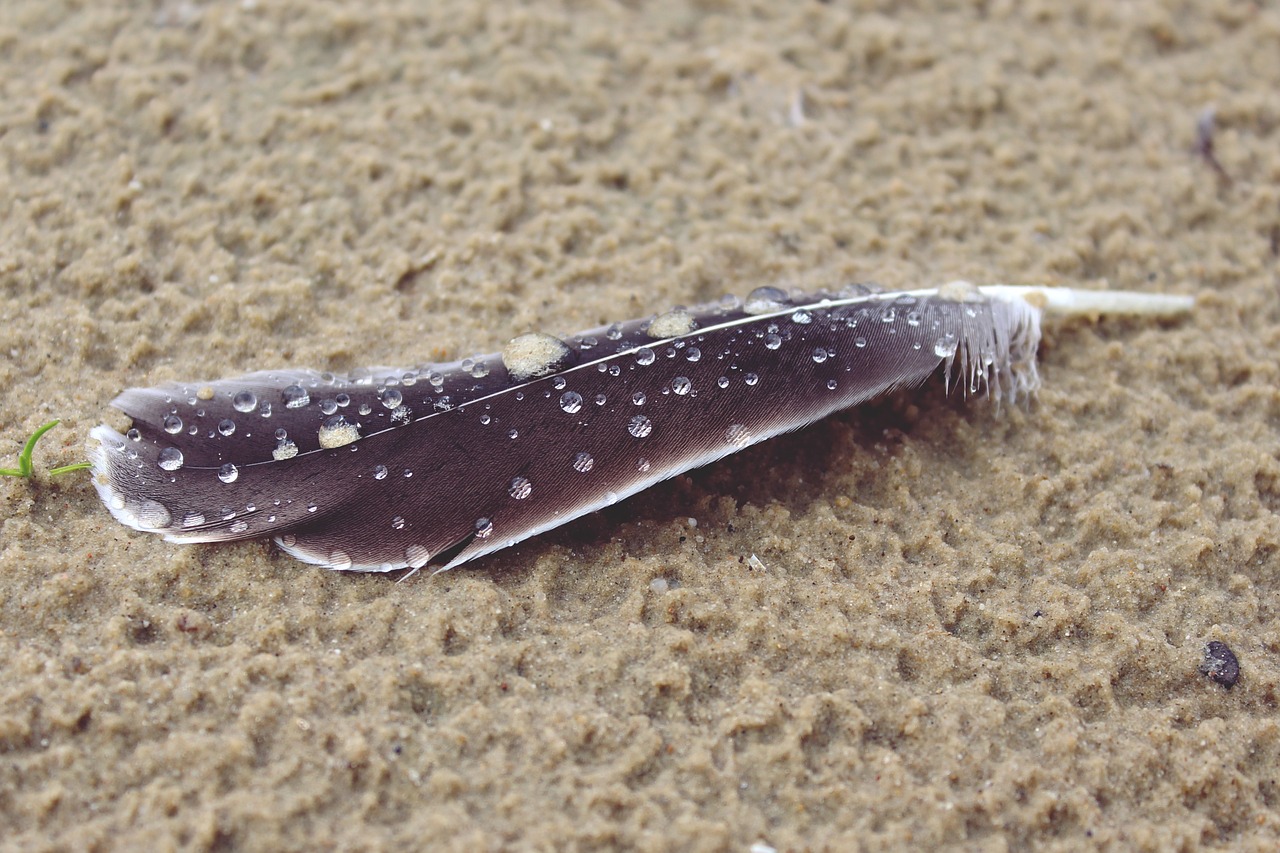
(379, 472)
(692, 354)
(723, 382)
(513, 433)
(831, 384)
(772, 341)
(639, 398)
(312, 507)
(244, 401)
(819, 355)
(343, 400)
(751, 379)
(286, 449)
(945, 347)
(583, 462)
(614, 332)
(281, 434)
(397, 523)
(644, 356)
(170, 459)
(173, 424)
(340, 561)
(485, 420)
(802, 317)
(264, 409)
(571, 401)
(887, 315)
(408, 472)
(558, 383)
(642, 465)
(295, 397)
(328, 407)
(417, 556)
(681, 385)
(365, 409)
(228, 473)
(639, 426)
(484, 528)
(601, 399)
(519, 488)
(193, 519)
(860, 342)
(239, 526)
(226, 427)
(133, 435)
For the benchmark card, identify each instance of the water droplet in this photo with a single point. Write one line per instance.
(601, 399)
(945, 347)
(282, 434)
(772, 341)
(479, 370)
(644, 356)
(639, 426)
(887, 315)
(764, 300)
(343, 400)
(312, 507)
(170, 459)
(860, 342)
(558, 383)
(244, 401)
(239, 526)
(408, 472)
(819, 355)
(671, 325)
(831, 384)
(226, 427)
(295, 397)
(193, 519)
(913, 318)
(692, 354)
(417, 556)
(484, 528)
(336, 432)
(639, 398)
(642, 465)
(228, 473)
(401, 415)
(365, 409)
(583, 462)
(519, 488)
(153, 515)
(485, 420)
(723, 382)
(379, 472)
(681, 385)
(340, 561)
(328, 407)
(614, 332)
(534, 355)
(751, 379)
(173, 424)
(436, 379)
(286, 449)
(802, 317)
(737, 435)
(397, 523)
(513, 433)
(571, 401)
(264, 409)
(133, 435)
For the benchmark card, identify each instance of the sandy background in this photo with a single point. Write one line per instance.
(974, 630)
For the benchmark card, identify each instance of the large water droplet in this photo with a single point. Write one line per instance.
(170, 459)
(737, 435)
(228, 473)
(286, 449)
(644, 356)
(340, 561)
(681, 385)
(723, 382)
(417, 556)
(583, 463)
(639, 426)
(571, 401)
(153, 515)
(336, 432)
(519, 488)
(764, 300)
(639, 398)
(173, 424)
(945, 347)
(692, 354)
(244, 401)
(295, 397)
(819, 355)
(772, 341)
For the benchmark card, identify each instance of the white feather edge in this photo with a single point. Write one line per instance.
(1056, 300)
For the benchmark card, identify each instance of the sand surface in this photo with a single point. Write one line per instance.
(964, 629)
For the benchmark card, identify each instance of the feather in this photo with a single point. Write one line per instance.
(386, 469)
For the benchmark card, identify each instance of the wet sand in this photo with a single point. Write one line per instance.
(964, 628)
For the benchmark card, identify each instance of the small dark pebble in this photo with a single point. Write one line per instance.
(1220, 664)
